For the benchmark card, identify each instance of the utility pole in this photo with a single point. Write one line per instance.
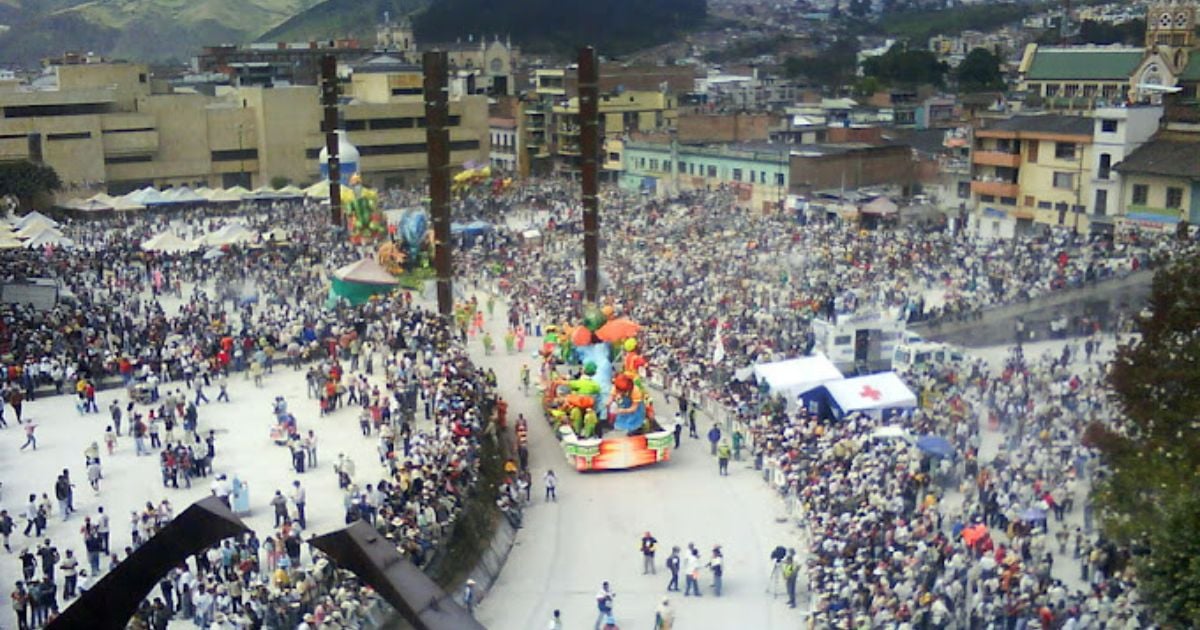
(437, 139)
(589, 141)
(329, 99)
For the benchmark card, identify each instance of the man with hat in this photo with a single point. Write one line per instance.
(469, 597)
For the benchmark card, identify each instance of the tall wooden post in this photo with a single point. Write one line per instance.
(329, 99)
(437, 139)
(589, 145)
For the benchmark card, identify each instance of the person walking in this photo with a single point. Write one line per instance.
(604, 604)
(114, 411)
(223, 386)
(469, 597)
(555, 621)
(714, 437)
(664, 615)
(6, 529)
(790, 573)
(298, 498)
(551, 483)
(723, 452)
(673, 566)
(70, 570)
(716, 564)
(30, 438)
(279, 502)
(691, 572)
(20, 604)
(649, 545)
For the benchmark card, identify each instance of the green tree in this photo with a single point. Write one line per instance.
(280, 181)
(30, 183)
(833, 68)
(979, 72)
(906, 66)
(1148, 501)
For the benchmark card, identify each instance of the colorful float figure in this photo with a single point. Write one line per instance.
(604, 420)
(366, 221)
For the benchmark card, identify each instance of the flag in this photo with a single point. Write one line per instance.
(718, 345)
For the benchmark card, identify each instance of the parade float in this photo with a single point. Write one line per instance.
(596, 398)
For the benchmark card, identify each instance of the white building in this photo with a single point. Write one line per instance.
(1118, 132)
(504, 144)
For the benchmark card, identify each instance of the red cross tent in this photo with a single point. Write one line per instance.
(878, 394)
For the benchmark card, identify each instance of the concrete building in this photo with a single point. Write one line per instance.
(270, 64)
(851, 165)
(1083, 77)
(1116, 132)
(758, 172)
(620, 115)
(1031, 169)
(103, 128)
(505, 142)
(1160, 181)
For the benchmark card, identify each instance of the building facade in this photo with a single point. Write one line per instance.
(1116, 132)
(104, 129)
(1160, 181)
(505, 144)
(759, 172)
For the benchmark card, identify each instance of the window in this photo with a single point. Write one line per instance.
(1064, 150)
(654, 164)
(1064, 180)
(1109, 92)
(762, 176)
(642, 163)
(128, 159)
(1101, 205)
(712, 171)
(1008, 201)
(1045, 205)
(964, 190)
(1105, 166)
(79, 135)
(406, 91)
(841, 340)
(1030, 201)
(1051, 90)
(1031, 151)
(682, 167)
(1071, 90)
(1109, 125)
(987, 198)
(1141, 193)
(1061, 206)
(614, 157)
(235, 155)
(1090, 90)
(752, 178)
(142, 77)
(779, 182)
(1174, 197)
(737, 174)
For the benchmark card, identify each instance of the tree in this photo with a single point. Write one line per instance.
(27, 181)
(833, 68)
(902, 65)
(1147, 500)
(859, 8)
(979, 72)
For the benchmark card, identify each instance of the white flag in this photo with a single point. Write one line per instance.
(718, 345)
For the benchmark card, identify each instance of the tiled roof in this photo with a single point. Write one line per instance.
(1084, 64)
(1169, 158)
(1048, 123)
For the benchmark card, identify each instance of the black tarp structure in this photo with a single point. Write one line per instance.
(361, 549)
(112, 601)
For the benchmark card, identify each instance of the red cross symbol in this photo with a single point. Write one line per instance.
(870, 392)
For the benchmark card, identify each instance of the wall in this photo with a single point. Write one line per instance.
(869, 166)
(705, 128)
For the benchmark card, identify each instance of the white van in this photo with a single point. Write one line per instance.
(912, 355)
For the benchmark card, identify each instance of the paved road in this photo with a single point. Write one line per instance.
(566, 549)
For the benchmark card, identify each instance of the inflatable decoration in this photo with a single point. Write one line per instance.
(366, 220)
(605, 392)
(391, 257)
(414, 231)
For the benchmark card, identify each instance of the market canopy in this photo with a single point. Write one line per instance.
(223, 196)
(36, 228)
(796, 376)
(366, 271)
(145, 197)
(32, 217)
(881, 206)
(52, 238)
(182, 194)
(230, 235)
(168, 242)
(873, 392)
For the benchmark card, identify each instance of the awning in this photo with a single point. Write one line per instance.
(796, 376)
(879, 391)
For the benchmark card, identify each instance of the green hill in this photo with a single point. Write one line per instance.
(340, 18)
(146, 30)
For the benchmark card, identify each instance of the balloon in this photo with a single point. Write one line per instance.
(581, 337)
(593, 318)
(608, 311)
(589, 368)
(630, 345)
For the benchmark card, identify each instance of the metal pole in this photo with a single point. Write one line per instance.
(329, 99)
(437, 138)
(589, 145)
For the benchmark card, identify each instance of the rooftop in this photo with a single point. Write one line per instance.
(1169, 158)
(1084, 63)
(1045, 123)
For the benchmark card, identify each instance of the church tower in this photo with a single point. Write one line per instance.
(1170, 31)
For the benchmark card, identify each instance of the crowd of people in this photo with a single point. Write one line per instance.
(750, 285)
(251, 309)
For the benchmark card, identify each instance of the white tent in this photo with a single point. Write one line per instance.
(8, 241)
(31, 217)
(796, 376)
(35, 228)
(873, 392)
(182, 194)
(224, 196)
(93, 205)
(231, 234)
(49, 237)
(145, 196)
(125, 205)
(289, 192)
(240, 191)
(169, 243)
